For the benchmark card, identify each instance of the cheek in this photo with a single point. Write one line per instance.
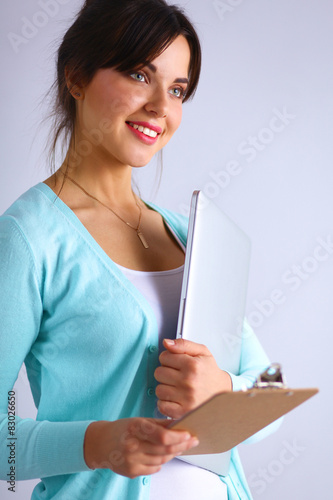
(93, 111)
(113, 105)
(176, 118)
(120, 104)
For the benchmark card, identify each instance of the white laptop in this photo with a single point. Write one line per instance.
(213, 296)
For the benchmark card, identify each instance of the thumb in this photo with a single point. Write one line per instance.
(182, 346)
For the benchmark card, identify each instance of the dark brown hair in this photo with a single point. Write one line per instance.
(123, 34)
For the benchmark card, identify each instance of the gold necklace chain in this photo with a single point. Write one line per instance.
(137, 229)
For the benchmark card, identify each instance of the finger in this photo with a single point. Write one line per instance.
(152, 462)
(152, 459)
(168, 393)
(139, 428)
(156, 454)
(167, 375)
(167, 437)
(172, 360)
(142, 428)
(149, 470)
(183, 363)
(171, 409)
(182, 346)
(164, 422)
(142, 470)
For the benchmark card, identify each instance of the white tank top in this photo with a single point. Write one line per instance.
(177, 480)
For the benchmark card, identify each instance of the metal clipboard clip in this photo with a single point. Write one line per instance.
(271, 378)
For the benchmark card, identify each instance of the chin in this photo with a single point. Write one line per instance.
(137, 163)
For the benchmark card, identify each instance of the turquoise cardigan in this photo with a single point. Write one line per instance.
(89, 341)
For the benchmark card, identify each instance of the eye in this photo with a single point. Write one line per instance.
(178, 92)
(138, 76)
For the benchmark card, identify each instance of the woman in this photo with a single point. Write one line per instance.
(91, 277)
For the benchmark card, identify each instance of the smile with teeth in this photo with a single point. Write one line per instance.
(144, 130)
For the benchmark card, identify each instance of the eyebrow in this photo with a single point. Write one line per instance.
(177, 80)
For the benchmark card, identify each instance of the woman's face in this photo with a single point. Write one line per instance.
(136, 113)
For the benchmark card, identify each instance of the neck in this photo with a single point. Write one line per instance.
(109, 182)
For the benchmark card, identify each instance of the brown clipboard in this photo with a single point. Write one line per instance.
(228, 418)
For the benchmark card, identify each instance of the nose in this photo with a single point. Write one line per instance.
(158, 104)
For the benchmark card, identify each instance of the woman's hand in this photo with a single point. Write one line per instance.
(134, 446)
(187, 377)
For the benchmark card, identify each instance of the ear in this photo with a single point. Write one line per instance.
(74, 89)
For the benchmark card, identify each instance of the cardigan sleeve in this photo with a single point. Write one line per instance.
(253, 361)
(31, 449)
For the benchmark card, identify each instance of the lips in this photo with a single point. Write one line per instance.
(147, 132)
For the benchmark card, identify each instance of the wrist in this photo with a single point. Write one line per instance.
(91, 445)
(226, 381)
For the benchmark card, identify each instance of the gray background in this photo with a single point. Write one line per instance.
(261, 58)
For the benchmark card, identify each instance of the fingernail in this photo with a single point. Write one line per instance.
(195, 442)
(170, 342)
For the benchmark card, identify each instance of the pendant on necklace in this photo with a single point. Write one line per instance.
(142, 239)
